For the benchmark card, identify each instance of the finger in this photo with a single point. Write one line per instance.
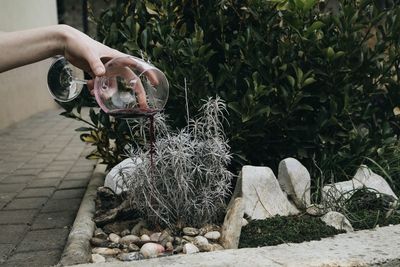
(96, 65)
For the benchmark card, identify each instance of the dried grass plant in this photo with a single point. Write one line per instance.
(188, 182)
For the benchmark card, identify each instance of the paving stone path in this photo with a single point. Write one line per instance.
(43, 176)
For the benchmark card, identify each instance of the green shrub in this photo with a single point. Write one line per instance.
(298, 82)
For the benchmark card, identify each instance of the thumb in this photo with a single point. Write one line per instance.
(96, 65)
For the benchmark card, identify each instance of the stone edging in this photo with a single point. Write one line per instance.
(77, 250)
(378, 247)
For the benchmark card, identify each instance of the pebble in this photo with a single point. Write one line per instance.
(177, 249)
(133, 247)
(188, 238)
(244, 222)
(128, 239)
(125, 232)
(202, 243)
(169, 246)
(151, 250)
(208, 228)
(190, 231)
(132, 256)
(165, 237)
(99, 233)
(215, 247)
(214, 235)
(98, 242)
(145, 231)
(155, 237)
(145, 237)
(114, 238)
(106, 251)
(189, 248)
(97, 258)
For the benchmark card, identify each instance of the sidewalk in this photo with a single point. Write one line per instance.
(43, 176)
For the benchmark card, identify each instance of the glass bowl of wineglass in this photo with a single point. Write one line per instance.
(129, 87)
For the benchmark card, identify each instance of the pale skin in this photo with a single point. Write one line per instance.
(28, 46)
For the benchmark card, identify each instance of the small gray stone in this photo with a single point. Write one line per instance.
(169, 246)
(133, 247)
(129, 239)
(215, 247)
(190, 231)
(214, 235)
(114, 238)
(177, 249)
(125, 232)
(189, 248)
(155, 236)
(188, 238)
(99, 233)
(145, 238)
(106, 251)
(202, 243)
(131, 256)
(208, 228)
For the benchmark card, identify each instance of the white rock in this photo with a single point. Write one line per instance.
(338, 221)
(262, 195)
(372, 180)
(133, 247)
(145, 238)
(189, 248)
(364, 177)
(202, 243)
(244, 222)
(114, 238)
(116, 178)
(129, 239)
(151, 250)
(106, 251)
(214, 235)
(97, 258)
(232, 227)
(295, 180)
(190, 231)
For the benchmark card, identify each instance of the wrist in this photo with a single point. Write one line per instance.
(61, 36)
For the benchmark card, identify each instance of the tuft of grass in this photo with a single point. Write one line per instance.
(367, 209)
(284, 229)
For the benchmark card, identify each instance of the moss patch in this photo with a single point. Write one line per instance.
(278, 230)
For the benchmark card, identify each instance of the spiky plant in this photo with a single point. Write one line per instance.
(188, 180)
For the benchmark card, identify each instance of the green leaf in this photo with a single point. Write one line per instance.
(291, 80)
(93, 116)
(83, 129)
(309, 81)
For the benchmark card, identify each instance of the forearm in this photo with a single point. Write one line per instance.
(28, 46)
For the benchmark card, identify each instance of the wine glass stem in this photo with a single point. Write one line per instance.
(80, 81)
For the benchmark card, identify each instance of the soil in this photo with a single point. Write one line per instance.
(278, 230)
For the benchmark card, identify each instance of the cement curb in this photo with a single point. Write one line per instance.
(378, 247)
(77, 250)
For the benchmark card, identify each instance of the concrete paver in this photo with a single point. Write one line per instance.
(38, 204)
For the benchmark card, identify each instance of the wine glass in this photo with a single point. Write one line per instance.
(129, 87)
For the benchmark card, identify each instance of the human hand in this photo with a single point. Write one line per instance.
(85, 53)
